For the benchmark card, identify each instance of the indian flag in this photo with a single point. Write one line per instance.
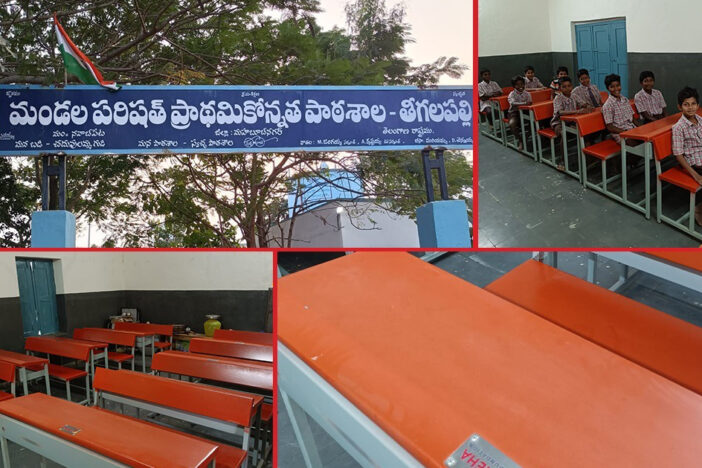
(76, 61)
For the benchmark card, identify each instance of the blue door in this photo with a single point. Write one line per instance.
(37, 296)
(601, 48)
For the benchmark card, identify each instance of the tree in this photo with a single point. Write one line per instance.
(14, 209)
(206, 200)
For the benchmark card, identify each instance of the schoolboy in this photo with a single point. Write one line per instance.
(617, 112)
(555, 84)
(530, 80)
(518, 97)
(486, 90)
(649, 102)
(564, 104)
(586, 94)
(687, 139)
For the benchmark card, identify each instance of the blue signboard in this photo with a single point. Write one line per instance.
(225, 119)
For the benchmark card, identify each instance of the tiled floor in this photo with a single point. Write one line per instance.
(526, 204)
(481, 268)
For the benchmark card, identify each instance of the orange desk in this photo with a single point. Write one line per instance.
(254, 374)
(28, 368)
(431, 359)
(533, 113)
(575, 130)
(226, 348)
(75, 435)
(244, 336)
(498, 106)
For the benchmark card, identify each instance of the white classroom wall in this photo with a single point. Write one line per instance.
(506, 27)
(82, 272)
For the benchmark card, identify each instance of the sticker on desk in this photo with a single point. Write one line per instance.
(70, 430)
(477, 452)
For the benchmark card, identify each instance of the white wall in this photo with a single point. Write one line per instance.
(509, 27)
(367, 225)
(80, 272)
(515, 27)
(318, 228)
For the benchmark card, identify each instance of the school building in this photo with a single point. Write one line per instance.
(623, 37)
(89, 340)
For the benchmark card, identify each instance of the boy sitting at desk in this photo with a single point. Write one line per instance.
(564, 104)
(649, 102)
(518, 97)
(555, 84)
(486, 90)
(531, 81)
(617, 112)
(586, 95)
(687, 139)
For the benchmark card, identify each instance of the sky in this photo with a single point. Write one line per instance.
(438, 27)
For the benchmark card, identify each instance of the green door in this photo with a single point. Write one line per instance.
(37, 296)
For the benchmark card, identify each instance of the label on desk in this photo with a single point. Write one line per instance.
(477, 452)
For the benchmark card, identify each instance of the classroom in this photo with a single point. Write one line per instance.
(124, 358)
(586, 188)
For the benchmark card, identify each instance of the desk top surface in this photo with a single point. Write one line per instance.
(432, 359)
(21, 360)
(227, 348)
(122, 439)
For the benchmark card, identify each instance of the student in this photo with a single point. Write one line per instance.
(518, 97)
(555, 84)
(617, 112)
(564, 104)
(649, 102)
(486, 90)
(687, 139)
(586, 95)
(531, 81)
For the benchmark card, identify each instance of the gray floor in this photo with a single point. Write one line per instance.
(527, 204)
(481, 268)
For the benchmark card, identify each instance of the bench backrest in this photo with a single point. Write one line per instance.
(663, 145)
(217, 368)
(591, 122)
(7, 371)
(544, 110)
(507, 89)
(540, 95)
(217, 403)
(58, 348)
(604, 95)
(653, 339)
(156, 329)
(231, 349)
(245, 336)
(105, 335)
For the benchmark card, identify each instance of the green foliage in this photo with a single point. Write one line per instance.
(225, 200)
(14, 210)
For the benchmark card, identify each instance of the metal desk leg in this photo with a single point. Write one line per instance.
(5, 452)
(592, 267)
(23, 379)
(303, 433)
(624, 189)
(647, 174)
(46, 379)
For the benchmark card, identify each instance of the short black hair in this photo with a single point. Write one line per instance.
(560, 69)
(609, 79)
(583, 71)
(565, 78)
(646, 74)
(527, 68)
(516, 79)
(687, 93)
(484, 70)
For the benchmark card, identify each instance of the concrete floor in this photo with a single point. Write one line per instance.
(527, 204)
(481, 268)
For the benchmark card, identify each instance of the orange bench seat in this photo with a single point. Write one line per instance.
(5, 396)
(678, 176)
(603, 150)
(65, 373)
